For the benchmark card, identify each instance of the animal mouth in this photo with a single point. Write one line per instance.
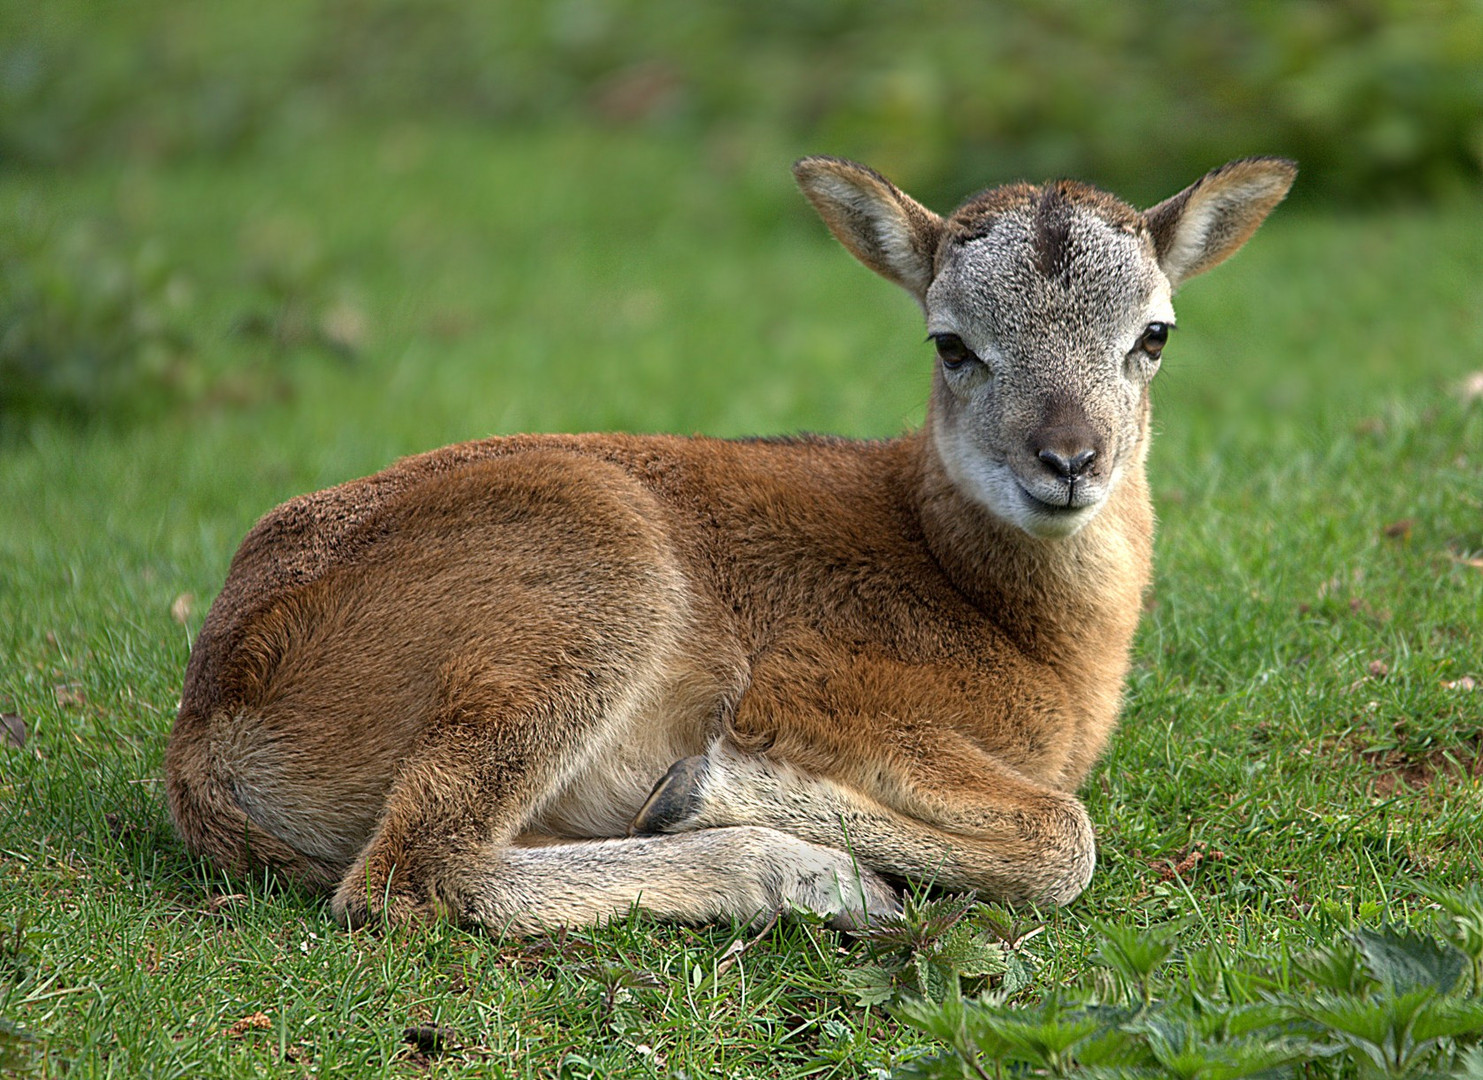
(1072, 500)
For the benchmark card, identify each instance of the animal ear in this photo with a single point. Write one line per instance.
(1214, 216)
(883, 227)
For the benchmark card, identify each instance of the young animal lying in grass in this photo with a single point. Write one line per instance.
(450, 688)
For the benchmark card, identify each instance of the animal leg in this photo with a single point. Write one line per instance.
(449, 841)
(499, 741)
(744, 873)
(1000, 834)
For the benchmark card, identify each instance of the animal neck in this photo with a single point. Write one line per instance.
(1065, 601)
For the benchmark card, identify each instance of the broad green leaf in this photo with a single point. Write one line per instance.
(943, 1066)
(1166, 1035)
(1470, 1067)
(1405, 961)
(1041, 1037)
(1132, 952)
(1112, 1046)
(1465, 909)
(1019, 972)
(941, 1019)
(965, 950)
(1361, 1024)
(870, 984)
(1338, 967)
(1234, 1023)
(1441, 1018)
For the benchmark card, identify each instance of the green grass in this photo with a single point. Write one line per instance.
(1318, 476)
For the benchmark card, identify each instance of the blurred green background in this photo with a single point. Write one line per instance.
(1373, 95)
(104, 315)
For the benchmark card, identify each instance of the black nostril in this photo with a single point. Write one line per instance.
(1068, 468)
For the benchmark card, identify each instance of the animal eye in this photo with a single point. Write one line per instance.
(951, 350)
(1155, 337)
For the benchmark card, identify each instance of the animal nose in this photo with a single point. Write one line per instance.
(1065, 441)
(1068, 466)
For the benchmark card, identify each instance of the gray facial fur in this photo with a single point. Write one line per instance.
(1052, 293)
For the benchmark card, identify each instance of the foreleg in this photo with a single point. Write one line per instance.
(995, 832)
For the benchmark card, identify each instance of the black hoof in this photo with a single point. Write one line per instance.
(675, 798)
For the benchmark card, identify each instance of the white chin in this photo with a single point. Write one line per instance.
(1053, 525)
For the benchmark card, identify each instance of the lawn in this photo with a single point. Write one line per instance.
(1300, 748)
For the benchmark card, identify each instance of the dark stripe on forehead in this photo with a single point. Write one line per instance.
(977, 216)
(1053, 247)
(1048, 213)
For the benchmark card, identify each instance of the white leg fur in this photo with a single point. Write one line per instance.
(984, 850)
(744, 873)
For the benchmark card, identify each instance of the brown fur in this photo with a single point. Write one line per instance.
(449, 687)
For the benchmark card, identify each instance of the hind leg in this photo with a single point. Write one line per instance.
(498, 741)
(448, 842)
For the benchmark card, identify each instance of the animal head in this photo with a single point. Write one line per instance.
(1049, 307)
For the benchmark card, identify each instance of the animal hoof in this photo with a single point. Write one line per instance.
(866, 900)
(674, 799)
(355, 912)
